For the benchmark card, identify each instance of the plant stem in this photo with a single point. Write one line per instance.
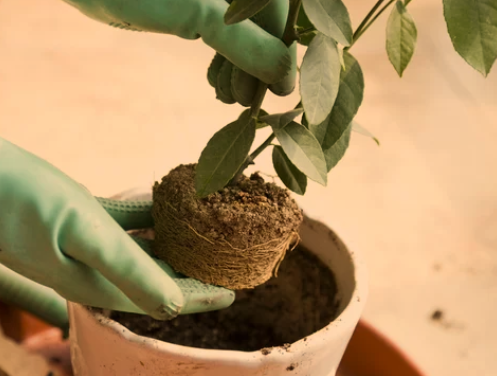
(258, 99)
(289, 36)
(365, 24)
(365, 20)
(376, 17)
(261, 148)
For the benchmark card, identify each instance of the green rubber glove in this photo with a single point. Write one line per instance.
(53, 231)
(246, 45)
(234, 85)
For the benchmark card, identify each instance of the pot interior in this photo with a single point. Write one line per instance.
(304, 298)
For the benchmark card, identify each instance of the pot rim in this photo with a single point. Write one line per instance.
(339, 326)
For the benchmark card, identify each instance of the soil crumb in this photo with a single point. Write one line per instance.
(437, 315)
(266, 351)
(287, 308)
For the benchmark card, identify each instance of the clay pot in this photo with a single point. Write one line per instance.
(102, 347)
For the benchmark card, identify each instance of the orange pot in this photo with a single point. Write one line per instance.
(369, 353)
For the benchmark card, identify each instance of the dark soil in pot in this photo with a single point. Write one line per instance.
(295, 304)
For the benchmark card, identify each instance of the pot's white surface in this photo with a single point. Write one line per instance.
(102, 347)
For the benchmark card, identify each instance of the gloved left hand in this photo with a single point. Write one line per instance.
(53, 231)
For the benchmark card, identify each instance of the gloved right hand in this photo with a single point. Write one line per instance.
(54, 232)
(256, 50)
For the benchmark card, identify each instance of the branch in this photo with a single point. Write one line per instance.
(290, 35)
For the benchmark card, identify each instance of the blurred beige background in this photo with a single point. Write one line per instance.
(118, 109)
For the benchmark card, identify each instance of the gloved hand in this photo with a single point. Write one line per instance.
(246, 45)
(53, 231)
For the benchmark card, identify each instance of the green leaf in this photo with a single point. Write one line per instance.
(306, 39)
(240, 10)
(258, 123)
(243, 86)
(320, 78)
(303, 23)
(401, 37)
(303, 150)
(361, 130)
(347, 104)
(214, 68)
(304, 122)
(330, 17)
(290, 175)
(223, 85)
(223, 156)
(280, 120)
(262, 113)
(341, 51)
(472, 26)
(335, 152)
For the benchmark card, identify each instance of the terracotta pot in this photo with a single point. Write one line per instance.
(369, 353)
(102, 347)
(18, 324)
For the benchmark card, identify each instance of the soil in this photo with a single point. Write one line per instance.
(437, 315)
(234, 238)
(290, 307)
